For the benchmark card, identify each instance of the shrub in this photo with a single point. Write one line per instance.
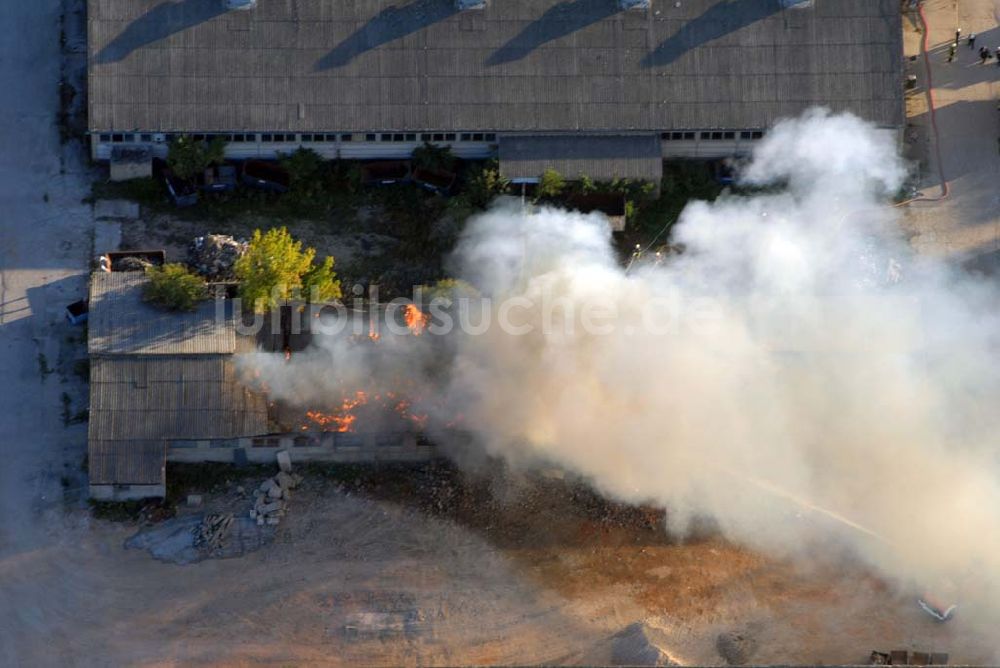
(485, 184)
(551, 184)
(188, 158)
(305, 171)
(173, 287)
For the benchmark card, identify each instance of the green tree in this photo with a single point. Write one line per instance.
(551, 184)
(173, 287)
(433, 157)
(276, 269)
(305, 171)
(187, 157)
(485, 184)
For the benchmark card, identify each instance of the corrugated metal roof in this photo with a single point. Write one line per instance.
(171, 397)
(517, 65)
(126, 462)
(121, 323)
(601, 157)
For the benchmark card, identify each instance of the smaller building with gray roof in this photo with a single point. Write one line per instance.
(160, 379)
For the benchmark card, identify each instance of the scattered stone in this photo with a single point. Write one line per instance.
(737, 648)
(268, 508)
(272, 496)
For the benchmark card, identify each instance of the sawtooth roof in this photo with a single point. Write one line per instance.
(517, 65)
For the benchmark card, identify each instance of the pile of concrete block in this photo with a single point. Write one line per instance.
(272, 497)
(210, 534)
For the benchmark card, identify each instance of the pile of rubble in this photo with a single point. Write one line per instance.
(130, 263)
(214, 255)
(210, 534)
(271, 498)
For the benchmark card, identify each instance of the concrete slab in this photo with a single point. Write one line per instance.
(115, 209)
(107, 236)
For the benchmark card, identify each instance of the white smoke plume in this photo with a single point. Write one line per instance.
(796, 373)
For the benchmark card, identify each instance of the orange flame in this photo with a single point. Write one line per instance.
(341, 419)
(416, 320)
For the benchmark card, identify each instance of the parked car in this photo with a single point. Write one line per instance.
(435, 180)
(725, 171)
(266, 176)
(219, 178)
(182, 192)
(385, 172)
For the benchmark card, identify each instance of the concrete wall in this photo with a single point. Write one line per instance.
(697, 148)
(126, 492)
(324, 447)
(338, 150)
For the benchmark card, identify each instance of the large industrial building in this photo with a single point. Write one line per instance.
(605, 83)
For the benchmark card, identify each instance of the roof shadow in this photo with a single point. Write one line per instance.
(387, 26)
(162, 21)
(561, 20)
(718, 21)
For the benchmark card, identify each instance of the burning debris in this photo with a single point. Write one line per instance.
(416, 320)
(343, 417)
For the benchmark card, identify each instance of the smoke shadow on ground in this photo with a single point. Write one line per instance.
(387, 26)
(164, 20)
(512, 512)
(559, 21)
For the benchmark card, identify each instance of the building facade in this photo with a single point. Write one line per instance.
(372, 79)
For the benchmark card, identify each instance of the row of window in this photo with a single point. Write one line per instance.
(709, 135)
(340, 440)
(281, 137)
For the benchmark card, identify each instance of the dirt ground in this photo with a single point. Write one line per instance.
(398, 241)
(425, 566)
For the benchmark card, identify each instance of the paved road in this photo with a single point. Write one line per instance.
(967, 223)
(45, 239)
